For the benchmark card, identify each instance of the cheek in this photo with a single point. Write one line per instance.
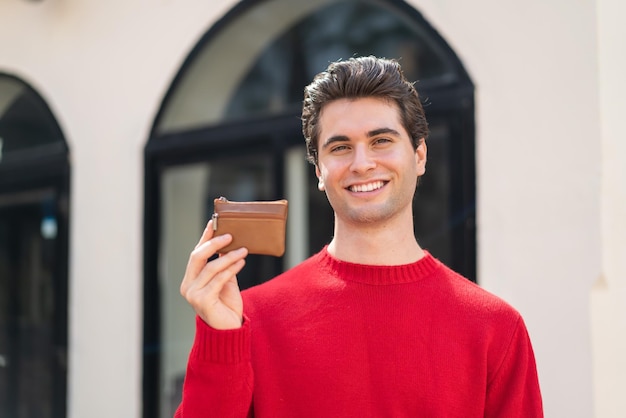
(326, 171)
(329, 178)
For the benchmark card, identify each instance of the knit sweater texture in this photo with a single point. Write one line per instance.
(335, 339)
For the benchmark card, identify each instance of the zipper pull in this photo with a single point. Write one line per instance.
(214, 216)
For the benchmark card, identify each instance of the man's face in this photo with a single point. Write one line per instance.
(366, 161)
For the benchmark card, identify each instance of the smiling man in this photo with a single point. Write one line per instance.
(368, 166)
(372, 325)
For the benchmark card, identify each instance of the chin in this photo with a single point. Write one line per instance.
(369, 216)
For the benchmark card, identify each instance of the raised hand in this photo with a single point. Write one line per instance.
(211, 287)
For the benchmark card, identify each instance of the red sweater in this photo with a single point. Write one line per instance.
(336, 339)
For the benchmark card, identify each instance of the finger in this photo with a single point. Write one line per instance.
(206, 234)
(218, 281)
(224, 263)
(211, 282)
(201, 254)
(209, 248)
(197, 276)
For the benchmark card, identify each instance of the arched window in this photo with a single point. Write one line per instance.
(34, 182)
(230, 126)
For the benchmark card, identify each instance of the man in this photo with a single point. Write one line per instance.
(372, 325)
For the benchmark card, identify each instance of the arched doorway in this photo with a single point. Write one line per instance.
(34, 193)
(230, 126)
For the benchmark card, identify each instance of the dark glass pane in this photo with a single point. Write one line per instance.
(188, 192)
(245, 178)
(341, 30)
(26, 123)
(431, 207)
(29, 356)
(321, 216)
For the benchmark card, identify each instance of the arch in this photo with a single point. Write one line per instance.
(229, 124)
(227, 52)
(34, 202)
(29, 131)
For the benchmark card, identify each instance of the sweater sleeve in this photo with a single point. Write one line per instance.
(513, 390)
(219, 377)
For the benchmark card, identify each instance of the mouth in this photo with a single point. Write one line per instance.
(367, 187)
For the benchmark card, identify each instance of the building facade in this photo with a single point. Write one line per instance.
(121, 120)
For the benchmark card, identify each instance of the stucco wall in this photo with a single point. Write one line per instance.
(538, 169)
(608, 300)
(103, 68)
(549, 159)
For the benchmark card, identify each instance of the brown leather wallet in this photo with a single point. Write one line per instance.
(259, 226)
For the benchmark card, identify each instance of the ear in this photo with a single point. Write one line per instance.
(320, 183)
(420, 157)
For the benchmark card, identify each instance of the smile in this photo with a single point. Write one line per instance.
(360, 188)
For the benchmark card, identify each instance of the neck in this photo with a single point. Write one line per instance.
(375, 244)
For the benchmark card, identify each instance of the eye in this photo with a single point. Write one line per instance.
(382, 141)
(339, 148)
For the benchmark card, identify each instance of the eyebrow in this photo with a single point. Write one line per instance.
(370, 134)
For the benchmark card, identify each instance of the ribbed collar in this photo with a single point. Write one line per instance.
(379, 275)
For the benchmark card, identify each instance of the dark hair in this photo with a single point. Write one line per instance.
(359, 78)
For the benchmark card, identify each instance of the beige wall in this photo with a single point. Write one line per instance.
(608, 299)
(550, 158)
(103, 67)
(538, 186)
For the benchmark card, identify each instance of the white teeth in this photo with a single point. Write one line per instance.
(367, 187)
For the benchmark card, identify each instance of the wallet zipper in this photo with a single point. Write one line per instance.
(239, 215)
(236, 215)
(215, 215)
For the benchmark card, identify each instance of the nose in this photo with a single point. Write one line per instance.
(362, 160)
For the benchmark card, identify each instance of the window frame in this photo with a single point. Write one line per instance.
(454, 96)
(45, 169)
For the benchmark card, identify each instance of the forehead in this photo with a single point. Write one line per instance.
(361, 115)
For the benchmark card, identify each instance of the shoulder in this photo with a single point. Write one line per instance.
(474, 304)
(477, 318)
